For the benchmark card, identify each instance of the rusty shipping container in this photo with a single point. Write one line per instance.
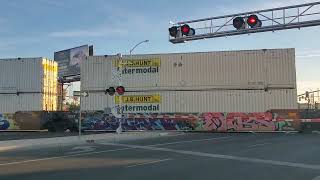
(243, 81)
(28, 84)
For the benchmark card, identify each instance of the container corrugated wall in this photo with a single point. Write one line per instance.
(11, 103)
(26, 84)
(20, 74)
(226, 70)
(200, 101)
(243, 81)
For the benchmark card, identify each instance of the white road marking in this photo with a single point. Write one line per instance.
(82, 149)
(221, 156)
(150, 162)
(262, 144)
(60, 157)
(189, 141)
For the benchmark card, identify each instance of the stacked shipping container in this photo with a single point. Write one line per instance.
(28, 84)
(231, 81)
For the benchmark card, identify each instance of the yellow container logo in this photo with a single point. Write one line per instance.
(136, 99)
(153, 62)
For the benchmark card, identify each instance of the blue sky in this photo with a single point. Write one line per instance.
(33, 28)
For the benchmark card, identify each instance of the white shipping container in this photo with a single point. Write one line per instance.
(251, 69)
(20, 74)
(28, 84)
(11, 103)
(196, 101)
(230, 81)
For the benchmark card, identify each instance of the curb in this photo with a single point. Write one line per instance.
(76, 140)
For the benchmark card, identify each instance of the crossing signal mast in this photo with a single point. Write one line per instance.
(289, 17)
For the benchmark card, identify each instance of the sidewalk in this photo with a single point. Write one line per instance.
(76, 140)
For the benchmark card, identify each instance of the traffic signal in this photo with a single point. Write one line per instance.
(253, 21)
(173, 31)
(110, 91)
(239, 23)
(120, 90)
(184, 30)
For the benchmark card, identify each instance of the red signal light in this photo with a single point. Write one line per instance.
(120, 90)
(185, 29)
(253, 21)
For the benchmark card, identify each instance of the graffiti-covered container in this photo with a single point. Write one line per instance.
(238, 70)
(28, 84)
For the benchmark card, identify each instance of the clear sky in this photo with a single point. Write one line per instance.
(33, 28)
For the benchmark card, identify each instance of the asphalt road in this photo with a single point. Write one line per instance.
(187, 156)
(5, 136)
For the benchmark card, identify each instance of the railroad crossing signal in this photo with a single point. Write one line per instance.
(267, 20)
(179, 31)
(110, 91)
(120, 90)
(251, 21)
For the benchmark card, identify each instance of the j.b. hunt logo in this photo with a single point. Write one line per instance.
(139, 66)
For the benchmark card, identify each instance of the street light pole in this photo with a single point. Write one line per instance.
(120, 64)
(145, 41)
(119, 129)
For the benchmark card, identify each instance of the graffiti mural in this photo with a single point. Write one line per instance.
(7, 122)
(210, 121)
(274, 120)
(101, 121)
(236, 122)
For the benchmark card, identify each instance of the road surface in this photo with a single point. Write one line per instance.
(185, 156)
(5, 136)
